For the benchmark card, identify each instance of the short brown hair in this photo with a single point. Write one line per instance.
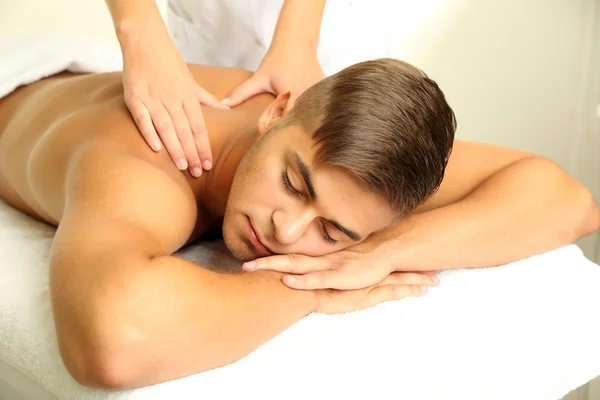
(386, 123)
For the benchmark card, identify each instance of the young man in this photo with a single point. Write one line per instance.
(358, 152)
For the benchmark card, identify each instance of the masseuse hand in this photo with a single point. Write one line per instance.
(164, 101)
(356, 267)
(287, 67)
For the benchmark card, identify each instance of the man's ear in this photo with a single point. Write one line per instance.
(280, 107)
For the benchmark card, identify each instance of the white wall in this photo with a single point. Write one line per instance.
(87, 17)
(522, 73)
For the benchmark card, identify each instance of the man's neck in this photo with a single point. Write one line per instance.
(231, 134)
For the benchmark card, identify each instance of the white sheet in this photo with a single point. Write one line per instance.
(528, 330)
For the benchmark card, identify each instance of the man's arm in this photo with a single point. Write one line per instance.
(127, 314)
(496, 205)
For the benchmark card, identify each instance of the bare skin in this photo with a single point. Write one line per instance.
(84, 144)
(71, 156)
(163, 96)
(97, 118)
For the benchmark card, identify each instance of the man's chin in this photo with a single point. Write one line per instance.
(238, 249)
(235, 242)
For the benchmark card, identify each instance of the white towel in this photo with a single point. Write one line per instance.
(528, 330)
(26, 58)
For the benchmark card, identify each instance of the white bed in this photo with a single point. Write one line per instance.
(520, 331)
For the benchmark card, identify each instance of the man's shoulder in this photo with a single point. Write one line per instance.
(111, 178)
(219, 81)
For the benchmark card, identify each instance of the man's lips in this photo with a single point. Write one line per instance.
(251, 233)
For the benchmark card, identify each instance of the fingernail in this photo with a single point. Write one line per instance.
(423, 289)
(156, 145)
(290, 279)
(225, 100)
(182, 164)
(435, 279)
(207, 165)
(196, 171)
(249, 265)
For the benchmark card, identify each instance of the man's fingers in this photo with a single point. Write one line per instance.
(329, 278)
(345, 280)
(164, 127)
(249, 88)
(289, 263)
(410, 278)
(206, 98)
(399, 285)
(385, 293)
(142, 119)
(200, 136)
(340, 279)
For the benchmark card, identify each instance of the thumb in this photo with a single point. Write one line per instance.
(249, 88)
(204, 97)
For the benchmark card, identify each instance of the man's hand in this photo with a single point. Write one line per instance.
(164, 100)
(396, 286)
(284, 68)
(356, 267)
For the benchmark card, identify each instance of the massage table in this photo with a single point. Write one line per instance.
(526, 330)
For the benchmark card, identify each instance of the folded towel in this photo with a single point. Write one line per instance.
(26, 58)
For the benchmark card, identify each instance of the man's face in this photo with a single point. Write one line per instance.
(280, 204)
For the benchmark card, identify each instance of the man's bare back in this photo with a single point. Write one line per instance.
(71, 155)
(75, 114)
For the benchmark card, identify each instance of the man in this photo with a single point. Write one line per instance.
(356, 153)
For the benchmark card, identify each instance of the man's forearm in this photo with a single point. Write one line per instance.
(180, 319)
(299, 22)
(527, 208)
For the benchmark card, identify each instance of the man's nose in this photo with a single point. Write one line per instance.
(290, 225)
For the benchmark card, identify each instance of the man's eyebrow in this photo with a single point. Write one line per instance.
(351, 234)
(304, 171)
(306, 175)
